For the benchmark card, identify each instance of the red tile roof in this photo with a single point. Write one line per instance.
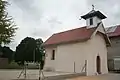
(115, 33)
(79, 34)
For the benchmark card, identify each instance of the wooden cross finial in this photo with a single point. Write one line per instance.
(93, 7)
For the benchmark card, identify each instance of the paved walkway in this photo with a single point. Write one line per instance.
(109, 76)
(33, 74)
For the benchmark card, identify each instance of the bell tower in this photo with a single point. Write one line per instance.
(93, 18)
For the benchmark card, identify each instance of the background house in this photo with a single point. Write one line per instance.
(114, 51)
(72, 50)
(3, 62)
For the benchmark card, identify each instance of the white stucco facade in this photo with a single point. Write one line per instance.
(71, 57)
(96, 20)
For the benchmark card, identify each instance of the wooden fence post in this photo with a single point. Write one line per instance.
(85, 66)
(74, 67)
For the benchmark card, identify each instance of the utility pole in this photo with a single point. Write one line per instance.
(34, 56)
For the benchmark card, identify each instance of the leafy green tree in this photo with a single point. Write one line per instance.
(40, 52)
(25, 50)
(7, 26)
(30, 50)
(0, 48)
(1, 51)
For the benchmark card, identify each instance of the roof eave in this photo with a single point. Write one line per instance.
(68, 42)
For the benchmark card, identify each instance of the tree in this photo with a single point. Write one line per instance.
(7, 26)
(25, 50)
(30, 50)
(1, 51)
(40, 52)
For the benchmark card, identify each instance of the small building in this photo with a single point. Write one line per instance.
(3, 62)
(80, 50)
(114, 63)
(114, 51)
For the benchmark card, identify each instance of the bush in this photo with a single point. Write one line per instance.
(12, 65)
(33, 66)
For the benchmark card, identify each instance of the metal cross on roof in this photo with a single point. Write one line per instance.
(93, 7)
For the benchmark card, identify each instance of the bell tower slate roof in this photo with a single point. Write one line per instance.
(93, 13)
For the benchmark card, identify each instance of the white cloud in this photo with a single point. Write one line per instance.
(42, 18)
(110, 8)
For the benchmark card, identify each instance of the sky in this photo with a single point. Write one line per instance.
(42, 18)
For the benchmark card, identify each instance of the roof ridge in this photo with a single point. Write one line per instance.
(118, 25)
(73, 35)
(72, 30)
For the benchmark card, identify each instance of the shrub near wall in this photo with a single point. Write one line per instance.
(13, 65)
(32, 66)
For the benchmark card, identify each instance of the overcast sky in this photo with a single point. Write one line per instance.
(42, 18)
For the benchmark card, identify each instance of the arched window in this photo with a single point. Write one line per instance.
(53, 55)
(98, 65)
(91, 21)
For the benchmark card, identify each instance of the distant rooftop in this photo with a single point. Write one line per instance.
(113, 31)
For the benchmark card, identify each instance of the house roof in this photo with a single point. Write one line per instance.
(113, 31)
(93, 13)
(79, 34)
